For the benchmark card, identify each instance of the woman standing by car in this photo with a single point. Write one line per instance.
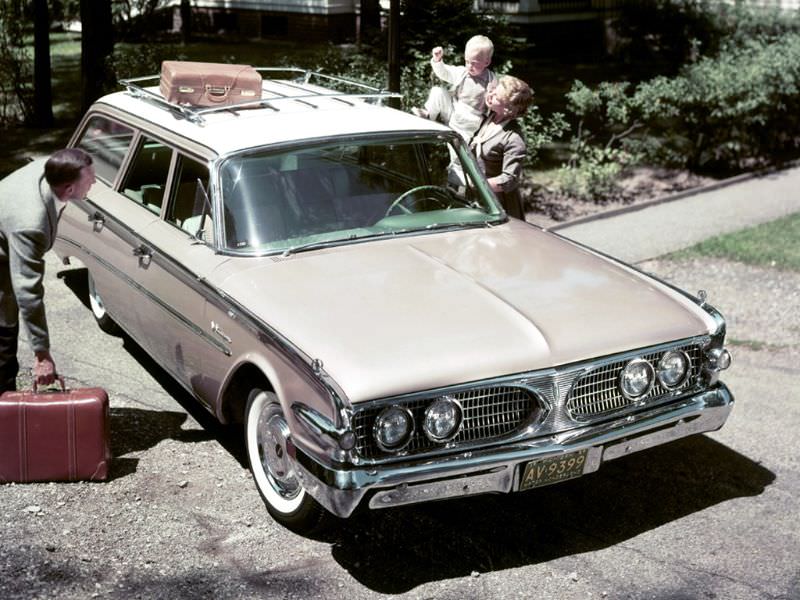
(499, 144)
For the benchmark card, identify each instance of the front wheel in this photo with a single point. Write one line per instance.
(266, 437)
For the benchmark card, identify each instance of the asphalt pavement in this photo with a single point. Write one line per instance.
(650, 230)
(711, 516)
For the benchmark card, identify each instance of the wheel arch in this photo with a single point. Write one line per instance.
(243, 379)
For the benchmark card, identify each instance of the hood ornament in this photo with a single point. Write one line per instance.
(316, 366)
(702, 296)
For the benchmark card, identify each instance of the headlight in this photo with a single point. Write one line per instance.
(719, 359)
(442, 419)
(636, 379)
(673, 368)
(393, 428)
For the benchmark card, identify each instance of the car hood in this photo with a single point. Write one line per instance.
(394, 316)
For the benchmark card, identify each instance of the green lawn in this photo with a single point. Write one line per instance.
(774, 244)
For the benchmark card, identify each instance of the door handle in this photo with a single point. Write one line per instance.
(216, 329)
(144, 254)
(143, 251)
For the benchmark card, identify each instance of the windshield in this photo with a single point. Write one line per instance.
(345, 191)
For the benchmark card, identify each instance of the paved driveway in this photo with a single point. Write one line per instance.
(713, 516)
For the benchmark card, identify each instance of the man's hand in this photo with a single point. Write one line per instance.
(437, 54)
(44, 368)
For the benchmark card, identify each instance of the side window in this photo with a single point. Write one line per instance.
(188, 199)
(108, 142)
(147, 176)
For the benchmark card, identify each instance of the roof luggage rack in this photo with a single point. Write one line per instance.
(299, 79)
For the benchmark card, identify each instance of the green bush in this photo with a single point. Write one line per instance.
(723, 114)
(731, 112)
(605, 119)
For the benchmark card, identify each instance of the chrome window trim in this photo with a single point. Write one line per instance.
(80, 132)
(408, 136)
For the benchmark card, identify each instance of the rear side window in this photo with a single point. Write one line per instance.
(189, 207)
(147, 177)
(108, 142)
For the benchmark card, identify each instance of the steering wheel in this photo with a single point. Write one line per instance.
(434, 193)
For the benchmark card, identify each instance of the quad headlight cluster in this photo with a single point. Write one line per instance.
(394, 427)
(638, 376)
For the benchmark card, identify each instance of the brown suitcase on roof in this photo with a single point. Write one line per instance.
(208, 84)
(54, 436)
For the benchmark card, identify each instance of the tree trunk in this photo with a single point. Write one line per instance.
(97, 44)
(394, 49)
(369, 21)
(186, 21)
(42, 88)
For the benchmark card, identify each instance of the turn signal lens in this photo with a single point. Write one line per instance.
(442, 419)
(393, 428)
(636, 379)
(673, 368)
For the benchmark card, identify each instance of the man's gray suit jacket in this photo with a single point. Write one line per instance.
(28, 218)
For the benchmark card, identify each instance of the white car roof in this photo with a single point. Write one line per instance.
(313, 113)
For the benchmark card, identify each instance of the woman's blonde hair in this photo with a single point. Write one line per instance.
(515, 92)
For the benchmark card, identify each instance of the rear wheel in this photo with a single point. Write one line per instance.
(266, 437)
(104, 321)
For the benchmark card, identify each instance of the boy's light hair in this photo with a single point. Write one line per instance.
(482, 44)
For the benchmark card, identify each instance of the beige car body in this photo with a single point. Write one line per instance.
(383, 321)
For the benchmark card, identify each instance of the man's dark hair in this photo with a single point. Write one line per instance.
(64, 166)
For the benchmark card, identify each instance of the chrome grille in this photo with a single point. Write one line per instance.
(489, 412)
(597, 393)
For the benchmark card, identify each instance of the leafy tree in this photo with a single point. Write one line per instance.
(42, 87)
(97, 46)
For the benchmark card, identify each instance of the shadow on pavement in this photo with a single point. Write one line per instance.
(394, 550)
(136, 429)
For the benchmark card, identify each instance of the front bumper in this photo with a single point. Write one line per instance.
(492, 470)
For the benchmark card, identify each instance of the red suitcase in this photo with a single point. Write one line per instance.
(208, 84)
(54, 436)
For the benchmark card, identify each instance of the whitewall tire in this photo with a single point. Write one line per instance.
(266, 438)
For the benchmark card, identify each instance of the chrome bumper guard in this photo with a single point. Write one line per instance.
(494, 470)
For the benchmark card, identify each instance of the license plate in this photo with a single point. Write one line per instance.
(553, 470)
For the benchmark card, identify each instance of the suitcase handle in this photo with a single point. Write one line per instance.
(59, 378)
(217, 93)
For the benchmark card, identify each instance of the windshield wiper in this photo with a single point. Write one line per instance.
(357, 238)
(465, 225)
(352, 238)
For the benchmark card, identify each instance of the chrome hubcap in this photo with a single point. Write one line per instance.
(271, 439)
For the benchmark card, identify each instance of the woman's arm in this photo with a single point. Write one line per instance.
(513, 151)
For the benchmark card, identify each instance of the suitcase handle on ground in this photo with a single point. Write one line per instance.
(59, 378)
